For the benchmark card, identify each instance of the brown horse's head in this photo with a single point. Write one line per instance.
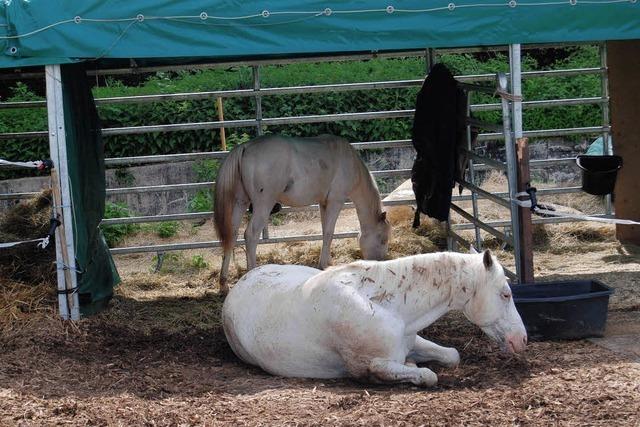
(374, 240)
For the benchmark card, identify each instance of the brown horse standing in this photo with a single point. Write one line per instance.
(297, 172)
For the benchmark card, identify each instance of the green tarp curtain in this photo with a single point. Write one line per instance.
(85, 157)
(44, 32)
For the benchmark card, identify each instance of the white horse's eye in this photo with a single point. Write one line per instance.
(506, 296)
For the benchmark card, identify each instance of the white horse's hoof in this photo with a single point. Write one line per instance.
(426, 378)
(452, 358)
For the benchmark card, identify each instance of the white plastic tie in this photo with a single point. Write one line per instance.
(541, 211)
(30, 164)
(44, 243)
(13, 244)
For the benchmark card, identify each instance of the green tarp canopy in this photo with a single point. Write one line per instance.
(36, 32)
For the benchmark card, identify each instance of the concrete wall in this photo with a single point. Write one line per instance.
(623, 60)
(167, 202)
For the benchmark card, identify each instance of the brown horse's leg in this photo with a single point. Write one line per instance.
(329, 213)
(238, 212)
(254, 228)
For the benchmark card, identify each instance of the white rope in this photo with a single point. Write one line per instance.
(264, 14)
(508, 96)
(586, 217)
(35, 164)
(43, 243)
(541, 211)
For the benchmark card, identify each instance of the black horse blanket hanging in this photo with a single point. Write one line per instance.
(439, 138)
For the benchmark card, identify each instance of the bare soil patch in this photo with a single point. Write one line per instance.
(158, 356)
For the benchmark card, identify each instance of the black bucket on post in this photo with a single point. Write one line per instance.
(599, 173)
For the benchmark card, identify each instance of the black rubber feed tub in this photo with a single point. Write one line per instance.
(563, 310)
(599, 173)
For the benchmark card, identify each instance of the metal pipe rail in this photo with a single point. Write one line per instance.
(216, 243)
(209, 214)
(545, 103)
(548, 132)
(399, 143)
(187, 157)
(549, 220)
(161, 188)
(238, 93)
(488, 162)
(315, 118)
(308, 119)
(486, 227)
(338, 87)
(206, 185)
(485, 194)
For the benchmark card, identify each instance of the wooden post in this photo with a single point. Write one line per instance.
(524, 214)
(223, 137)
(60, 237)
(623, 60)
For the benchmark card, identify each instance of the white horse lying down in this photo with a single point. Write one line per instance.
(361, 320)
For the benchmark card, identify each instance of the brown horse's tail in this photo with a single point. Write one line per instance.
(225, 197)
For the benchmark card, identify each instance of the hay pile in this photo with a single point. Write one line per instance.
(405, 241)
(553, 238)
(27, 272)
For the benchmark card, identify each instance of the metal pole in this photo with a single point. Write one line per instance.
(430, 58)
(607, 148)
(259, 131)
(65, 246)
(511, 169)
(472, 180)
(515, 69)
(258, 98)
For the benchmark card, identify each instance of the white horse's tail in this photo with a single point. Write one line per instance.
(225, 197)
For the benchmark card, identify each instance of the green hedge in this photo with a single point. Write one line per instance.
(291, 105)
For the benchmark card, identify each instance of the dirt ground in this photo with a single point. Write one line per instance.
(158, 356)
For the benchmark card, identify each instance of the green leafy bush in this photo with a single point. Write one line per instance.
(206, 171)
(116, 115)
(114, 234)
(167, 229)
(198, 262)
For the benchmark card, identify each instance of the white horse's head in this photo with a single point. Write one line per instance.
(374, 240)
(492, 307)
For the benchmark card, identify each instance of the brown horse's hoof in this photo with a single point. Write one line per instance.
(224, 287)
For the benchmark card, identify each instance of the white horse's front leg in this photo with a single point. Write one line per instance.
(392, 371)
(425, 351)
(329, 213)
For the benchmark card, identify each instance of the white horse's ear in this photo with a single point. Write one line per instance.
(472, 250)
(487, 260)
